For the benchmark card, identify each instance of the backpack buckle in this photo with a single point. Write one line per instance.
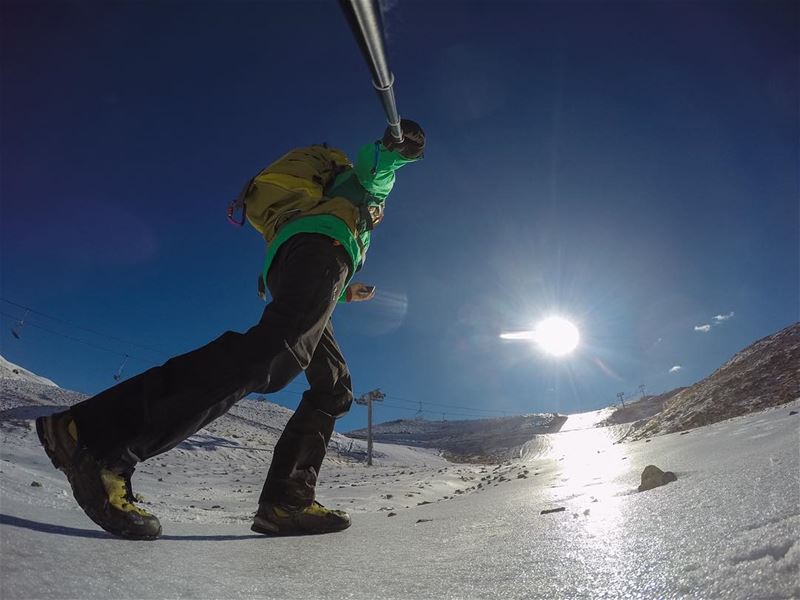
(232, 208)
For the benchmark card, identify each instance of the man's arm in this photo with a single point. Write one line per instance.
(376, 163)
(375, 166)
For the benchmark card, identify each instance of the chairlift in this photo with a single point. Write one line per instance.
(118, 374)
(16, 331)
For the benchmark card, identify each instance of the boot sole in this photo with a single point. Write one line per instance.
(265, 528)
(271, 529)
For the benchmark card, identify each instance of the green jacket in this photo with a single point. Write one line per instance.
(371, 178)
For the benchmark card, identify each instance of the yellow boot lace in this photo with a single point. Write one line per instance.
(72, 430)
(317, 510)
(117, 491)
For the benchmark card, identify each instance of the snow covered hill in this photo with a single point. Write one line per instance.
(562, 521)
(9, 370)
(26, 395)
(478, 440)
(224, 464)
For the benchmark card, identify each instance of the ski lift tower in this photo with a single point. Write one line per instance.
(367, 400)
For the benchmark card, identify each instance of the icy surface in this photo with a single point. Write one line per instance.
(728, 527)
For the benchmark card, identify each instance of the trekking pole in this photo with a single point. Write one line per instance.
(364, 18)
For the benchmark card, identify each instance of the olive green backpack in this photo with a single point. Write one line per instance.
(294, 186)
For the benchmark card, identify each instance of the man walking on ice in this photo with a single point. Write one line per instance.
(316, 212)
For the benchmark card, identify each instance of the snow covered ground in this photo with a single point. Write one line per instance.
(422, 527)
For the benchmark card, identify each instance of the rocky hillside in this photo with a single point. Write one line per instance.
(480, 440)
(638, 410)
(765, 374)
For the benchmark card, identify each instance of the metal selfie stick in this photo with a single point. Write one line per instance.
(364, 17)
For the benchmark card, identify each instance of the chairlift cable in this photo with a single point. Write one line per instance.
(79, 340)
(81, 327)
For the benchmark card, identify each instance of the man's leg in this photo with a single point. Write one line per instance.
(156, 410)
(301, 448)
(287, 505)
(152, 412)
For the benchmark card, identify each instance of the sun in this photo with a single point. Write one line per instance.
(556, 336)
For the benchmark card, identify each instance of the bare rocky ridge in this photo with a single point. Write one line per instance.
(639, 410)
(765, 374)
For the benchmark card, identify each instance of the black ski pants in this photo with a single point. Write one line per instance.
(153, 412)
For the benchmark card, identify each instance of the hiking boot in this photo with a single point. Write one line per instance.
(274, 519)
(104, 495)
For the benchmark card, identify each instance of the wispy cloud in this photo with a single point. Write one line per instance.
(715, 320)
(675, 369)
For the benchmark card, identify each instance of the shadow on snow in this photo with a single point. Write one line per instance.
(89, 533)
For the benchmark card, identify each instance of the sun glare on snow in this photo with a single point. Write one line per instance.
(555, 336)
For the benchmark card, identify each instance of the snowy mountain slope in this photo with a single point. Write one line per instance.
(9, 370)
(225, 463)
(729, 527)
(478, 440)
(23, 393)
(579, 430)
(766, 373)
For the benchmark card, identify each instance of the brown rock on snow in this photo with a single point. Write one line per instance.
(653, 477)
(553, 510)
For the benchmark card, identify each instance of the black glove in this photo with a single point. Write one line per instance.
(413, 144)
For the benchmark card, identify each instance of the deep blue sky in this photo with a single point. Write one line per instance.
(631, 165)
